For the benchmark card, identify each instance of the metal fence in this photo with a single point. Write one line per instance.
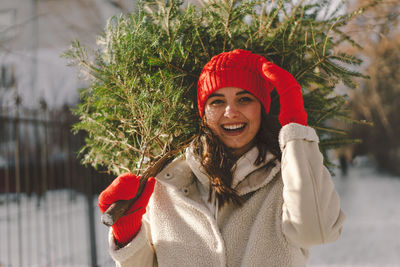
(48, 201)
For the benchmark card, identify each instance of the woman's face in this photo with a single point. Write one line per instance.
(234, 115)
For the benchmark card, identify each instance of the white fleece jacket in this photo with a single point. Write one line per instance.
(288, 208)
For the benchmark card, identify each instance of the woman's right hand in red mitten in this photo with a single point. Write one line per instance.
(124, 187)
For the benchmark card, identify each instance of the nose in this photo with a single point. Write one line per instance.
(231, 111)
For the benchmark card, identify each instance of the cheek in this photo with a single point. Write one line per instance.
(212, 116)
(254, 115)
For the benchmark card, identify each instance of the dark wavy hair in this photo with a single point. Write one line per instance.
(218, 161)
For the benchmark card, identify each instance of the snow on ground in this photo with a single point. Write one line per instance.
(53, 231)
(371, 233)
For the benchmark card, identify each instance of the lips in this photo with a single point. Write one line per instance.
(236, 127)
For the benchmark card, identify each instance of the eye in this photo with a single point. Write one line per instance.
(216, 102)
(245, 99)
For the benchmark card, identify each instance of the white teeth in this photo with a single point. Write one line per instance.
(234, 126)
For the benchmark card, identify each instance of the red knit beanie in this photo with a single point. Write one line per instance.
(237, 68)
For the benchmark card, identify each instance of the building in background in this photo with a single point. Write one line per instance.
(33, 35)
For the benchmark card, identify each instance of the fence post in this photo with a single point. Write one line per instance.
(44, 174)
(18, 176)
(91, 220)
(7, 188)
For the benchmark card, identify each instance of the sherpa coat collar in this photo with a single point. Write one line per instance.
(243, 167)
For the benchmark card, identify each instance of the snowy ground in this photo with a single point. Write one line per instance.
(56, 232)
(371, 234)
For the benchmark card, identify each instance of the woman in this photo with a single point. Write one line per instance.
(236, 197)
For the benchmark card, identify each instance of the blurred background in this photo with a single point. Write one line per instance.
(48, 201)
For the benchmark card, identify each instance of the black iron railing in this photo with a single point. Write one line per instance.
(48, 200)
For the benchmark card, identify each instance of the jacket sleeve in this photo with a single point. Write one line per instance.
(139, 252)
(311, 212)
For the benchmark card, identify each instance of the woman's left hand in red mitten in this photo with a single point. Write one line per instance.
(289, 90)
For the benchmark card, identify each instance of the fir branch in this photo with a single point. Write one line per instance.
(330, 130)
(337, 142)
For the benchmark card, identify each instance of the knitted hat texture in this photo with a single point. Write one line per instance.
(237, 68)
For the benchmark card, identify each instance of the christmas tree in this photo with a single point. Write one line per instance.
(141, 102)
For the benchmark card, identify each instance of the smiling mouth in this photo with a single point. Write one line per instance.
(234, 127)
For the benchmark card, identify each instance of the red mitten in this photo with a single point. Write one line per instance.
(289, 90)
(125, 187)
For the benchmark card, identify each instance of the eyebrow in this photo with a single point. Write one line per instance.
(244, 92)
